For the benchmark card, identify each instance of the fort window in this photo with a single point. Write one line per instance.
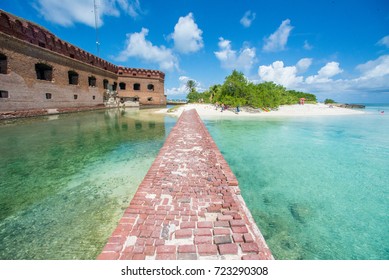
(150, 87)
(93, 97)
(43, 45)
(105, 84)
(122, 86)
(49, 95)
(44, 72)
(73, 78)
(134, 74)
(4, 94)
(75, 96)
(92, 81)
(3, 64)
(150, 99)
(136, 86)
(71, 55)
(114, 86)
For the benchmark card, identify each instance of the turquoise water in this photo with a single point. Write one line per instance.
(317, 187)
(66, 180)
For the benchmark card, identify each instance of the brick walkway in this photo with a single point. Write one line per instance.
(188, 206)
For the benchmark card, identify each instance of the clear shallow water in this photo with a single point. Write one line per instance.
(318, 186)
(66, 180)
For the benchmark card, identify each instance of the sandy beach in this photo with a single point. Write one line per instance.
(320, 109)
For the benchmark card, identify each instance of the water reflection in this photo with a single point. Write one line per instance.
(65, 182)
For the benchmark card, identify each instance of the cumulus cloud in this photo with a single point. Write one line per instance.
(181, 88)
(280, 74)
(325, 73)
(69, 12)
(373, 77)
(277, 41)
(247, 19)
(232, 59)
(187, 35)
(384, 41)
(137, 46)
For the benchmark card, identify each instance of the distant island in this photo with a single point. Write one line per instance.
(237, 90)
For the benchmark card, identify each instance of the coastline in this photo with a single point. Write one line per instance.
(319, 109)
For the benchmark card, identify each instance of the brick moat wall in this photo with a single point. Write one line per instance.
(188, 206)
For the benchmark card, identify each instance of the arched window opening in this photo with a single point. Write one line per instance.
(122, 86)
(105, 83)
(150, 99)
(92, 81)
(114, 86)
(44, 72)
(94, 97)
(75, 96)
(3, 64)
(136, 86)
(150, 87)
(73, 78)
(49, 96)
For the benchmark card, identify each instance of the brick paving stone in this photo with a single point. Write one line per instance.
(187, 206)
(186, 249)
(228, 249)
(203, 240)
(248, 238)
(221, 231)
(166, 249)
(222, 239)
(204, 224)
(249, 247)
(207, 249)
(203, 232)
(183, 233)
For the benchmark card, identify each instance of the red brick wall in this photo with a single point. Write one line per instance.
(25, 44)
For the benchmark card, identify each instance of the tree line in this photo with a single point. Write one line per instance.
(238, 91)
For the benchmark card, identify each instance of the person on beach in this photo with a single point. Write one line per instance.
(222, 107)
(237, 109)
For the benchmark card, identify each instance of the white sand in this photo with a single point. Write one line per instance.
(208, 111)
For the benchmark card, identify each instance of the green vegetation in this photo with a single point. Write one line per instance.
(329, 101)
(238, 91)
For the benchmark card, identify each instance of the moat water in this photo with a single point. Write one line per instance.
(66, 180)
(317, 187)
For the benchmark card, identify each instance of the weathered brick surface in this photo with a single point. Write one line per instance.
(188, 206)
(24, 44)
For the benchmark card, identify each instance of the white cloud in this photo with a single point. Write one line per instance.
(325, 73)
(69, 12)
(181, 89)
(276, 72)
(307, 46)
(187, 35)
(384, 41)
(303, 64)
(231, 59)
(373, 77)
(247, 19)
(277, 41)
(139, 47)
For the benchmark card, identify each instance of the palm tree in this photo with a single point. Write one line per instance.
(191, 85)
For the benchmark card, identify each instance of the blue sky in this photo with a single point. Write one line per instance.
(334, 49)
